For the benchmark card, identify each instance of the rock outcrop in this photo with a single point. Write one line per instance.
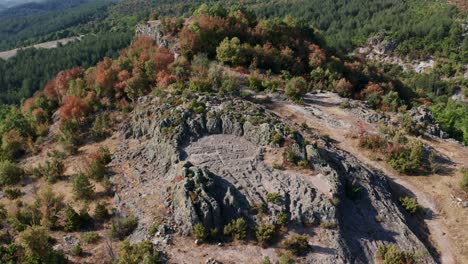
(209, 168)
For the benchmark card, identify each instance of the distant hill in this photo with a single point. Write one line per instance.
(36, 7)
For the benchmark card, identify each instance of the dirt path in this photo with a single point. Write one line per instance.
(322, 112)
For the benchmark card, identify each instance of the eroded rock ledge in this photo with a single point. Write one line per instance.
(208, 167)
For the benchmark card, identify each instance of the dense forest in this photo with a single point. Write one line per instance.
(30, 69)
(35, 8)
(24, 31)
(423, 28)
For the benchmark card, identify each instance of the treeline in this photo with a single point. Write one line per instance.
(24, 31)
(30, 69)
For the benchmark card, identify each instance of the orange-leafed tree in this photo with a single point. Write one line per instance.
(73, 108)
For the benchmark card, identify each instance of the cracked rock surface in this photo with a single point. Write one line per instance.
(209, 168)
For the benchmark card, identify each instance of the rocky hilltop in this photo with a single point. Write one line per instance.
(213, 165)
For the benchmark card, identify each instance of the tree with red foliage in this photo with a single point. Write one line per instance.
(317, 56)
(73, 108)
(106, 77)
(162, 59)
(164, 79)
(57, 88)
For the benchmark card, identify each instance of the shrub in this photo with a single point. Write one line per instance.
(282, 219)
(352, 190)
(265, 233)
(255, 82)
(408, 159)
(69, 135)
(464, 181)
(101, 213)
(344, 88)
(73, 220)
(275, 198)
(142, 252)
(237, 229)
(3, 213)
(50, 205)
(410, 204)
(197, 106)
(82, 187)
(296, 88)
(297, 244)
(77, 250)
(13, 193)
(123, 227)
(13, 144)
(9, 173)
(372, 141)
(199, 231)
(391, 255)
(100, 127)
(97, 169)
(27, 215)
(199, 85)
(91, 237)
(51, 171)
(38, 248)
(286, 259)
(277, 139)
(291, 156)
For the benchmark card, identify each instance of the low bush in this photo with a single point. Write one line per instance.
(406, 159)
(26, 215)
(410, 204)
(265, 233)
(391, 255)
(138, 253)
(296, 88)
(286, 259)
(464, 181)
(77, 250)
(274, 198)
(91, 237)
(10, 173)
(123, 227)
(13, 193)
(237, 229)
(282, 219)
(372, 141)
(51, 171)
(199, 231)
(297, 244)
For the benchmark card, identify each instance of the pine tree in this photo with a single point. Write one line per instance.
(82, 187)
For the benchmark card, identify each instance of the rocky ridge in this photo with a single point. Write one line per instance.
(207, 166)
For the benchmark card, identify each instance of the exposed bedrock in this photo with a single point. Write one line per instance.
(209, 168)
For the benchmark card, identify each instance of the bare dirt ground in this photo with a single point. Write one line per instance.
(446, 221)
(45, 45)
